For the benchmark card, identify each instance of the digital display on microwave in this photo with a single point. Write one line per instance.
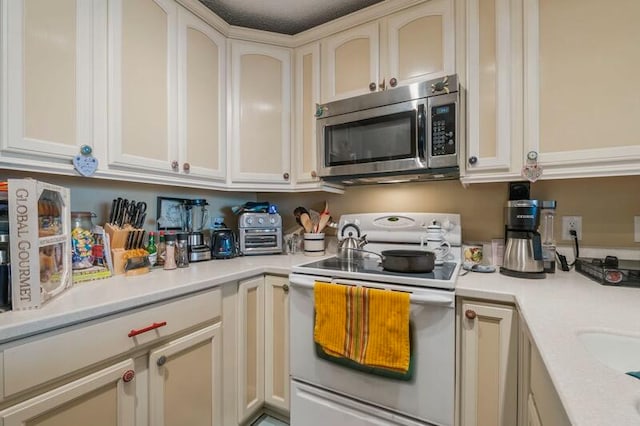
(442, 110)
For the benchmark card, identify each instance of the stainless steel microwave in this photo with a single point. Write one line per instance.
(402, 134)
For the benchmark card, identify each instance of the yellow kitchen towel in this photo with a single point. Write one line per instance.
(368, 326)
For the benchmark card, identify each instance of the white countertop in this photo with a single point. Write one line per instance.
(554, 309)
(94, 299)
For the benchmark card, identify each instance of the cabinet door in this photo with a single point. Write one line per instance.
(250, 347)
(489, 348)
(142, 93)
(350, 62)
(420, 43)
(307, 95)
(578, 122)
(47, 79)
(261, 99)
(533, 418)
(494, 87)
(185, 380)
(103, 398)
(277, 342)
(201, 98)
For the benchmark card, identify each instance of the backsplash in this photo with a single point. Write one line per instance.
(607, 205)
(95, 195)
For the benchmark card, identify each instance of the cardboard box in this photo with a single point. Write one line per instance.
(40, 233)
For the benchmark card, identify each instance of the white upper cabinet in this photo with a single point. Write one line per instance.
(350, 62)
(420, 43)
(493, 70)
(143, 90)
(411, 45)
(261, 115)
(167, 91)
(579, 123)
(307, 95)
(201, 98)
(52, 58)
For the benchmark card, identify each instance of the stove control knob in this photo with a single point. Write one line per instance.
(272, 220)
(249, 220)
(260, 220)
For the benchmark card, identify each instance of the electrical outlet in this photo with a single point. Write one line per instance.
(571, 223)
(636, 229)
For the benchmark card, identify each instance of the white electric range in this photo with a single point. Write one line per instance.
(323, 392)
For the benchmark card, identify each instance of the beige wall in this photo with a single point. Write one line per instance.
(607, 205)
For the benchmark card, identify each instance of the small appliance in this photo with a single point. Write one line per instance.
(260, 233)
(194, 218)
(407, 133)
(523, 245)
(223, 244)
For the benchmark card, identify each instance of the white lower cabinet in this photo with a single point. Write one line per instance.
(103, 398)
(262, 332)
(488, 364)
(543, 406)
(158, 365)
(185, 380)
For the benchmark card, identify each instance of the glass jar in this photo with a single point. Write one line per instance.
(82, 240)
(182, 250)
(170, 251)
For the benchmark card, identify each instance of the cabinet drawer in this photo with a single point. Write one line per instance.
(60, 352)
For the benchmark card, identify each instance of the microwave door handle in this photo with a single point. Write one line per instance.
(422, 134)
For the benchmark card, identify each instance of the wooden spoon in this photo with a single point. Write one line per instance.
(306, 222)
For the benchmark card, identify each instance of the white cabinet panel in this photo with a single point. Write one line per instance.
(261, 120)
(51, 61)
(578, 123)
(185, 380)
(103, 398)
(489, 348)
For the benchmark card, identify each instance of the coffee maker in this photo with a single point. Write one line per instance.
(523, 245)
(194, 218)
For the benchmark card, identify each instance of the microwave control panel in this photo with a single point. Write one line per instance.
(443, 129)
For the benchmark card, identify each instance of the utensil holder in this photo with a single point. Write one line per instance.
(314, 244)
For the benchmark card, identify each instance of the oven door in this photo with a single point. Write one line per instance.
(384, 139)
(428, 396)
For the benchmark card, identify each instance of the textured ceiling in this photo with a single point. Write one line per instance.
(283, 16)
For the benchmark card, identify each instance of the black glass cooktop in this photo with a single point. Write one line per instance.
(442, 272)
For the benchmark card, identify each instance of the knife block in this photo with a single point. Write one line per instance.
(118, 237)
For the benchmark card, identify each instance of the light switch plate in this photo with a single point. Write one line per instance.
(636, 229)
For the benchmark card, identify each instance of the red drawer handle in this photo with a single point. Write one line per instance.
(144, 330)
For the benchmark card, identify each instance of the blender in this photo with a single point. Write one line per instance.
(194, 218)
(523, 245)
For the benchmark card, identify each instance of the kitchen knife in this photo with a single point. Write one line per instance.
(112, 212)
(117, 211)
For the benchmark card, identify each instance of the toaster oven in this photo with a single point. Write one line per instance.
(260, 233)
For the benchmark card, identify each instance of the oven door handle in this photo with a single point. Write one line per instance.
(417, 299)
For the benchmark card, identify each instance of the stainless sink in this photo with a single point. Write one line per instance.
(616, 351)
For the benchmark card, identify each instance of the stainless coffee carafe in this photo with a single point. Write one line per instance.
(523, 246)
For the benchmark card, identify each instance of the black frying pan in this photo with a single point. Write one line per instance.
(409, 261)
(405, 261)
